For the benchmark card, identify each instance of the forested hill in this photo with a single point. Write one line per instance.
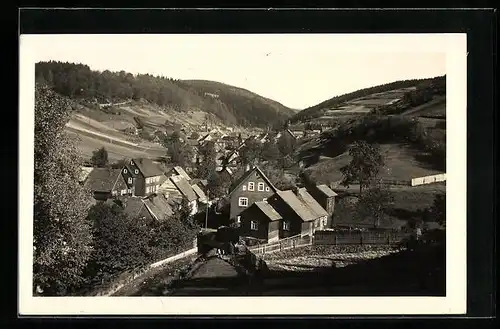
(421, 84)
(232, 105)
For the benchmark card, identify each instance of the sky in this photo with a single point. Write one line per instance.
(297, 70)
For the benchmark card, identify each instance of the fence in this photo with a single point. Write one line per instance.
(357, 237)
(428, 179)
(283, 244)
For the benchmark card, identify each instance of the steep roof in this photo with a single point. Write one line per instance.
(182, 172)
(268, 210)
(323, 188)
(309, 201)
(134, 207)
(158, 207)
(147, 167)
(84, 173)
(105, 180)
(199, 192)
(247, 174)
(183, 186)
(297, 206)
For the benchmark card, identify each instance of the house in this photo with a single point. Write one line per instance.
(105, 183)
(253, 186)
(314, 206)
(325, 197)
(186, 191)
(83, 174)
(260, 221)
(177, 170)
(133, 207)
(143, 176)
(297, 217)
(158, 207)
(202, 197)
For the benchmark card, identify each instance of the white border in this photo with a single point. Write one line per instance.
(454, 45)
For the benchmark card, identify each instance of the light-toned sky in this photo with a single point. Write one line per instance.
(297, 70)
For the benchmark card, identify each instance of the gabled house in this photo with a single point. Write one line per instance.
(297, 217)
(177, 170)
(83, 174)
(133, 207)
(142, 176)
(260, 221)
(177, 187)
(325, 197)
(105, 183)
(253, 186)
(202, 197)
(158, 207)
(314, 206)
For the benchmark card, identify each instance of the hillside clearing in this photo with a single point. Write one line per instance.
(400, 164)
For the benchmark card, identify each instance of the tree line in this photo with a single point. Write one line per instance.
(79, 81)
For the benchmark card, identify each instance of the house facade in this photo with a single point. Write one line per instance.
(142, 176)
(325, 196)
(105, 183)
(252, 187)
(259, 221)
(297, 217)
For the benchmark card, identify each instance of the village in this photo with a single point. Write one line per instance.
(149, 188)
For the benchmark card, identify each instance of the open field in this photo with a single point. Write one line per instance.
(400, 164)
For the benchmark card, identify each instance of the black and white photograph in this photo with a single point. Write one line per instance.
(242, 168)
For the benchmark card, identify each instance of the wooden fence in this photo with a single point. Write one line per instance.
(358, 237)
(332, 238)
(428, 179)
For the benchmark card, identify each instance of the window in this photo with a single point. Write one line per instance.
(130, 180)
(123, 192)
(254, 225)
(260, 186)
(251, 186)
(125, 171)
(286, 226)
(131, 163)
(136, 171)
(267, 188)
(265, 199)
(243, 202)
(238, 221)
(244, 187)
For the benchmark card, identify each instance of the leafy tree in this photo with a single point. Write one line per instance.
(366, 163)
(270, 151)
(218, 184)
(286, 144)
(438, 208)
(99, 158)
(180, 153)
(250, 152)
(62, 235)
(375, 202)
(208, 163)
(120, 242)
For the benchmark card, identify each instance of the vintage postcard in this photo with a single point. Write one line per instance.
(242, 174)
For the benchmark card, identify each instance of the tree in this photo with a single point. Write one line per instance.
(218, 184)
(250, 152)
(180, 153)
(208, 157)
(438, 208)
(270, 151)
(365, 165)
(100, 158)
(286, 144)
(374, 203)
(62, 235)
(120, 243)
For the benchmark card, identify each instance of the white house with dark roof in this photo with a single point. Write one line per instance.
(143, 176)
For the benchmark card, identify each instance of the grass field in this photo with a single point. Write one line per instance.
(400, 164)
